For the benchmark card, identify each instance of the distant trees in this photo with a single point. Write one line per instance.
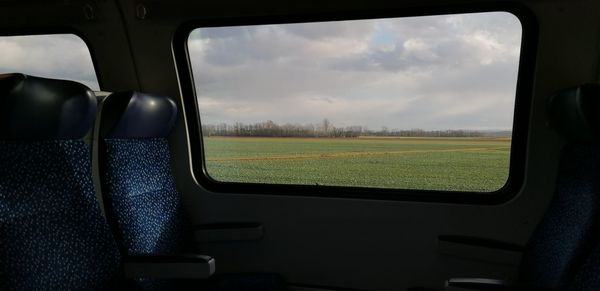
(429, 133)
(271, 129)
(327, 129)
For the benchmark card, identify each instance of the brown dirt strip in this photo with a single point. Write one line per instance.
(349, 154)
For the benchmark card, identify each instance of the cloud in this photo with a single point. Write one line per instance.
(61, 56)
(432, 72)
(332, 30)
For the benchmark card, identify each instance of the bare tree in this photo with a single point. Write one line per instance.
(327, 129)
(326, 125)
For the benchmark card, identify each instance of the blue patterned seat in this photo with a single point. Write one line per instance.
(567, 234)
(52, 232)
(581, 125)
(137, 183)
(569, 230)
(141, 199)
(145, 202)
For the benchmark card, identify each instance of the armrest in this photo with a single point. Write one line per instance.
(485, 284)
(188, 266)
(479, 284)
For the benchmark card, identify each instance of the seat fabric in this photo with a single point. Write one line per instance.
(570, 229)
(52, 233)
(144, 201)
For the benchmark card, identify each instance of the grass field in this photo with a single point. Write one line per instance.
(455, 164)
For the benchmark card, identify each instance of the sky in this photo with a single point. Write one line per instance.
(433, 72)
(59, 56)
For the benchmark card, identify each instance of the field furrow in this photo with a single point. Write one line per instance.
(349, 154)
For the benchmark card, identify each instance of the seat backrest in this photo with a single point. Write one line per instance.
(140, 195)
(52, 233)
(587, 276)
(569, 229)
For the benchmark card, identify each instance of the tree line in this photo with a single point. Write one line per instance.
(324, 129)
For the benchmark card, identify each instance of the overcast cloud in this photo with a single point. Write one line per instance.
(60, 56)
(434, 72)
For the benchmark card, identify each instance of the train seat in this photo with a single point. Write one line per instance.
(140, 194)
(52, 232)
(569, 230)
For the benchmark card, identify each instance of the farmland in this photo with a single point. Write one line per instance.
(455, 164)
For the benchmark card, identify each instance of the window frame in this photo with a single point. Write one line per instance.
(47, 31)
(523, 99)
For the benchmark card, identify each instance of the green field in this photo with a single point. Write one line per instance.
(455, 164)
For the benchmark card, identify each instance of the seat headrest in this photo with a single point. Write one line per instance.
(34, 108)
(575, 113)
(137, 115)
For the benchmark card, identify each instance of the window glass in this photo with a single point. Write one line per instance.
(408, 103)
(57, 56)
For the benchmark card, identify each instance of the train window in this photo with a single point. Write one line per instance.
(419, 103)
(58, 56)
